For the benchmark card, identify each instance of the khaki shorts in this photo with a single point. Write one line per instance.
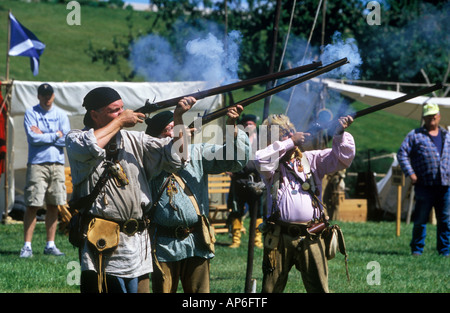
(45, 184)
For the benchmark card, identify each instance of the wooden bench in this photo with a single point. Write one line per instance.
(218, 189)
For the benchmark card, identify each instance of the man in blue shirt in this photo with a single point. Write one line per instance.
(181, 252)
(424, 156)
(46, 127)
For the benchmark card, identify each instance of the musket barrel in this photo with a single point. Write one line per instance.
(152, 107)
(331, 125)
(223, 111)
(398, 100)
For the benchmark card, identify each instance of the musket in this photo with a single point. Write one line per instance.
(398, 100)
(333, 124)
(152, 107)
(223, 111)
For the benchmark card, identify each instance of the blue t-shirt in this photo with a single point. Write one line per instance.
(48, 146)
(437, 140)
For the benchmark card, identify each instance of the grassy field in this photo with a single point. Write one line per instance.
(367, 243)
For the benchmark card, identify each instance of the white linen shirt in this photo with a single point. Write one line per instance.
(142, 157)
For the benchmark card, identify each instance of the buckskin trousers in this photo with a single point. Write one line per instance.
(308, 256)
(193, 272)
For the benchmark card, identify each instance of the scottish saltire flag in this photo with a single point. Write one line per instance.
(25, 43)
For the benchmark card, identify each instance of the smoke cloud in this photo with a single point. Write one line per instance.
(204, 59)
(306, 100)
(339, 49)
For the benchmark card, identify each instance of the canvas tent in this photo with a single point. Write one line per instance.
(69, 97)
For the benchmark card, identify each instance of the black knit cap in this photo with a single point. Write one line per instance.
(98, 98)
(157, 123)
(248, 117)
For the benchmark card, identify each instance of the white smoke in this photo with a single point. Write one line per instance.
(339, 49)
(204, 59)
(306, 99)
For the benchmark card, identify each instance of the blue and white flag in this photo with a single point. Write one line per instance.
(25, 43)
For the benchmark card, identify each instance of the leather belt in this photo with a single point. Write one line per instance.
(180, 232)
(293, 229)
(132, 226)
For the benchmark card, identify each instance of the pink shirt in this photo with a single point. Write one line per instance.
(294, 203)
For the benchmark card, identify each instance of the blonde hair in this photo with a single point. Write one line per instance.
(280, 120)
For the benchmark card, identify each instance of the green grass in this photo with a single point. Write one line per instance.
(366, 242)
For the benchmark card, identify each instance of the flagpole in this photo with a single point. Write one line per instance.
(8, 45)
(5, 100)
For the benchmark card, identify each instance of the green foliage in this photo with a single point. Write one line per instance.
(414, 35)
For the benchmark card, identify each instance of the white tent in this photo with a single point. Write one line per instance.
(388, 193)
(69, 97)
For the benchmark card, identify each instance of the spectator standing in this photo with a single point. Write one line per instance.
(46, 127)
(424, 157)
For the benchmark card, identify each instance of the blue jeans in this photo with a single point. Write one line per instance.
(114, 284)
(428, 197)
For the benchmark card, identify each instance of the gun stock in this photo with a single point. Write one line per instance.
(152, 107)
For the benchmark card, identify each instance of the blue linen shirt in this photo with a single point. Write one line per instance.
(46, 147)
(419, 155)
(204, 159)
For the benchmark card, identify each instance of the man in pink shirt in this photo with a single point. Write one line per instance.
(294, 185)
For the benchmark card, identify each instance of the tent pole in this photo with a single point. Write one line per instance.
(5, 106)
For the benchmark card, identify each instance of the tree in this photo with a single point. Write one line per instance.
(413, 35)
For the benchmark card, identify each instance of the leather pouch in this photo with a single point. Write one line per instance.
(104, 236)
(208, 233)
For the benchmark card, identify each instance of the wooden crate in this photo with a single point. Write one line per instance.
(352, 210)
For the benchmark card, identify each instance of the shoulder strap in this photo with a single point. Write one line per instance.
(187, 191)
(309, 190)
(160, 192)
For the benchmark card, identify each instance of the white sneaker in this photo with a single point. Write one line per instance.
(26, 252)
(53, 251)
